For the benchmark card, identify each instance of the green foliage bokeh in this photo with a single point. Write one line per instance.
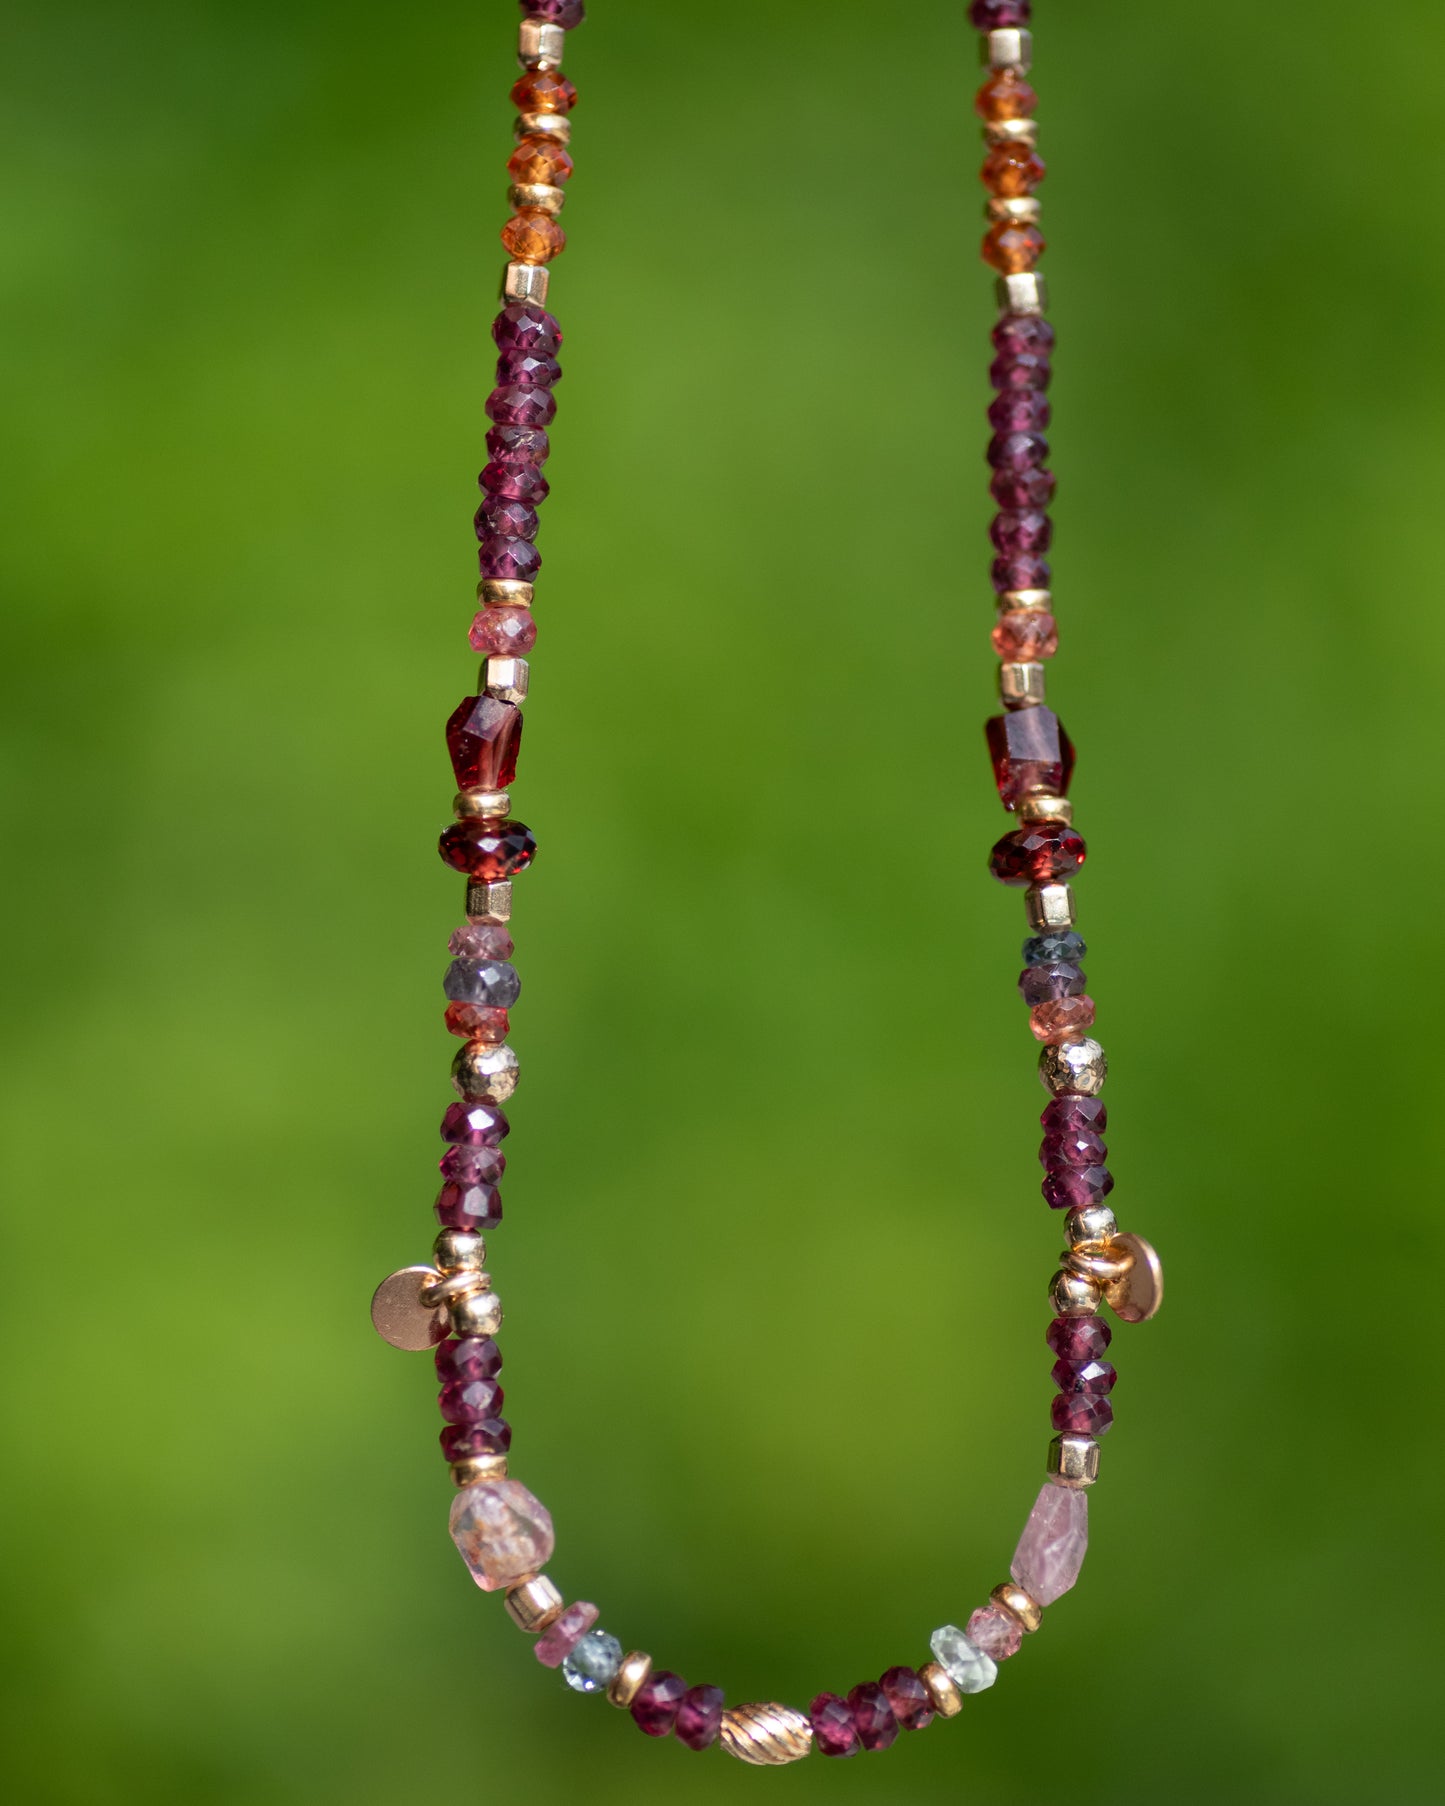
(774, 1253)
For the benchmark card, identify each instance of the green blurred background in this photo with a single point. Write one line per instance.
(774, 1254)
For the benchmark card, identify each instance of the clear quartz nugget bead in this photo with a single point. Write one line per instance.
(966, 1665)
(593, 1662)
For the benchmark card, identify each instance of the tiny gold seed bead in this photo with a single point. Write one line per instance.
(467, 804)
(1046, 808)
(1021, 686)
(478, 1315)
(1090, 1223)
(1026, 601)
(451, 1288)
(489, 902)
(471, 1470)
(526, 282)
(1049, 906)
(947, 1700)
(622, 1688)
(1103, 1261)
(1023, 293)
(1074, 1296)
(459, 1251)
(1073, 1461)
(533, 1603)
(543, 125)
(1013, 209)
(1020, 1605)
(536, 197)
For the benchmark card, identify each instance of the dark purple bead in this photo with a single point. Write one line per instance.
(877, 1727)
(473, 1166)
(526, 370)
(1017, 489)
(514, 406)
(1018, 334)
(1063, 1115)
(1079, 1338)
(1021, 370)
(518, 445)
(909, 1698)
(1020, 411)
(1076, 1147)
(655, 1704)
(1076, 1187)
(522, 327)
(1046, 984)
(515, 559)
(470, 1401)
(492, 1436)
(1024, 572)
(1017, 533)
(1094, 1377)
(474, 1125)
(517, 482)
(991, 15)
(469, 1207)
(507, 519)
(834, 1731)
(699, 1717)
(470, 1358)
(1076, 1414)
(1018, 451)
(566, 13)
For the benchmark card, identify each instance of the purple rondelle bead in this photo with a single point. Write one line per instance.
(1016, 334)
(993, 15)
(502, 557)
(566, 13)
(516, 406)
(1077, 1414)
(1026, 571)
(1076, 1338)
(1072, 1113)
(470, 1401)
(476, 1166)
(834, 1731)
(518, 445)
(492, 1436)
(495, 983)
(1046, 984)
(1094, 1377)
(1024, 533)
(475, 1125)
(527, 370)
(1020, 370)
(910, 1699)
(516, 482)
(469, 1207)
(498, 515)
(1076, 1187)
(479, 1358)
(522, 327)
(1019, 411)
(656, 1703)
(1018, 451)
(877, 1727)
(1021, 489)
(699, 1717)
(1077, 1147)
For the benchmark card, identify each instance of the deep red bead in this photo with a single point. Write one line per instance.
(1077, 1414)
(1077, 1187)
(1011, 411)
(1024, 570)
(1018, 490)
(522, 326)
(518, 445)
(1076, 1147)
(528, 370)
(1079, 1338)
(570, 13)
(909, 1698)
(1016, 532)
(655, 1704)
(502, 558)
(516, 405)
(469, 1207)
(1015, 370)
(699, 1717)
(1040, 854)
(468, 1358)
(1094, 1377)
(1062, 1115)
(834, 1731)
(499, 517)
(473, 1166)
(470, 1401)
(483, 738)
(487, 849)
(476, 1022)
(1030, 752)
(474, 1125)
(1017, 334)
(516, 483)
(877, 1727)
(492, 1436)
(1018, 451)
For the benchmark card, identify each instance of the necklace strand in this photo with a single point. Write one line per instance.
(504, 1534)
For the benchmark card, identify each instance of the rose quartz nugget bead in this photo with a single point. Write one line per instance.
(1052, 1547)
(503, 1533)
(995, 1633)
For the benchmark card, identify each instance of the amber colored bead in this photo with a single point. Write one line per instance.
(540, 160)
(1023, 638)
(1009, 170)
(535, 237)
(1011, 249)
(545, 91)
(1003, 96)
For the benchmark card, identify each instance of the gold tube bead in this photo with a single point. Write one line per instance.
(1049, 906)
(489, 902)
(1046, 808)
(1021, 1606)
(635, 1668)
(539, 45)
(1012, 131)
(947, 1700)
(533, 1603)
(766, 1735)
(459, 1251)
(1021, 686)
(471, 1470)
(1010, 48)
(1073, 1461)
(526, 282)
(1090, 1223)
(543, 125)
(1013, 209)
(468, 805)
(536, 197)
(1107, 1262)
(504, 592)
(1026, 601)
(1072, 1295)
(1025, 293)
(449, 1288)
(506, 678)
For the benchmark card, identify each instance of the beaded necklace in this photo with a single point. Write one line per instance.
(504, 1534)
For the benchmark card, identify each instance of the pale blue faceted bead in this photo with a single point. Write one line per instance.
(593, 1662)
(967, 1666)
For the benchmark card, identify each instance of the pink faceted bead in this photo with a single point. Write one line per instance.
(557, 1642)
(503, 1533)
(481, 940)
(1061, 1019)
(994, 1632)
(1052, 1548)
(503, 632)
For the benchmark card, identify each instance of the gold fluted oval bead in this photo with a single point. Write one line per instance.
(766, 1736)
(634, 1670)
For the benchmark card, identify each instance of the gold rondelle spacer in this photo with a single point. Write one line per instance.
(459, 1251)
(526, 282)
(533, 1603)
(1021, 686)
(489, 902)
(1106, 1262)
(471, 1470)
(622, 1688)
(536, 197)
(947, 1700)
(1073, 1461)
(478, 1315)
(469, 805)
(1020, 1606)
(1011, 209)
(507, 592)
(1046, 808)
(1049, 906)
(1026, 293)
(1012, 131)
(767, 1736)
(1074, 1296)
(1026, 601)
(543, 125)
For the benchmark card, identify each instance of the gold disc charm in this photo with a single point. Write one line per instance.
(1136, 1295)
(398, 1315)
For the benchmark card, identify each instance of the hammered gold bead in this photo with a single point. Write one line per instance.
(1020, 1605)
(472, 1469)
(767, 1736)
(1073, 1461)
(635, 1668)
(1074, 1296)
(947, 1700)
(1074, 1066)
(533, 1604)
(459, 1251)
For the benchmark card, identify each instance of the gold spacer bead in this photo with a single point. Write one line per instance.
(1012, 131)
(1013, 209)
(766, 1735)
(479, 1315)
(533, 1603)
(1107, 1262)
(1022, 1607)
(467, 805)
(1049, 906)
(536, 197)
(483, 1074)
(1026, 601)
(1021, 686)
(448, 1289)
(471, 1470)
(1090, 1223)
(1077, 1065)
(504, 592)
(1046, 808)
(526, 282)
(540, 46)
(1073, 1461)
(622, 1688)
(489, 902)
(459, 1251)
(506, 678)
(1026, 293)
(947, 1700)
(1010, 48)
(543, 125)
(1072, 1295)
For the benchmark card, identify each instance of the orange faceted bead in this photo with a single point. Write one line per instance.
(1013, 249)
(1010, 170)
(533, 237)
(1003, 96)
(540, 160)
(544, 91)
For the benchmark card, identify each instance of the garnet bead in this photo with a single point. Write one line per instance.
(1077, 1414)
(1073, 1114)
(699, 1717)
(1040, 854)
(474, 1125)
(570, 13)
(1076, 1147)
(1023, 572)
(528, 369)
(1024, 531)
(541, 160)
(1030, 752)
(544, 91)
(476, 1022)
(1011, 411)
(519, 445)
(470, 1401)
(510, 560)
(872, 1714)
(503, 517)
(1091, 1376)
(1005, 95)
(469, 1207)
(516, 483)
(1017, 489)
(472, 1166)
(1077, 1187)
(1015, 335)
(1016, 370)
(503, 632)
(468, 1358)
(483, 738)
(990, 15)
(523, 327)
(909, 1698)
(655, 1704)
(488, 850)
(492, 1436)
(514, 405)
(833, 1728)
(1079, 1338)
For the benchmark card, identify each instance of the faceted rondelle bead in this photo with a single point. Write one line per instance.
(468, 1207)
(655, 1703)
(544, 91)
(467, 1358)
(474, 1125)
(527, 370)
(470, 1401)
(1018, 490)
(1060, 1017)
(1021, 530)
(592, 1662)
(503, 632)
(1094, 1377)
(1075, 1147)
(540, 160)
(475, 1022)
(481, 940)
(1031, 753)
(1024, 572)
(968, 1667)
(487, 849)
(460, 1441)
(1023, 370)
(521, 326)
(473, 1166)
(1019, 411)
(699, 1717)
(1012, 248)
(493, 982)
(1081, 1414)
(1077, 1187)
(1059, 944)
(502, 1531)
(518, 445)
(514, 405)
(507, 559)
(1005, 95)
(1055, 1540)
(1017, 335)
(559, 1639)
(516, 483)
(997, 1633)
(504, 517)
(533, 237)
(834, 1731)
(1071, 1115)
(1017, 451)
(877, 1727)
(1011, 170)
(1042, 853)
(1079, 1339)
(1026, 636)
(570, 13)
(1042, 984)
(990, 15)
(909, 1698)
